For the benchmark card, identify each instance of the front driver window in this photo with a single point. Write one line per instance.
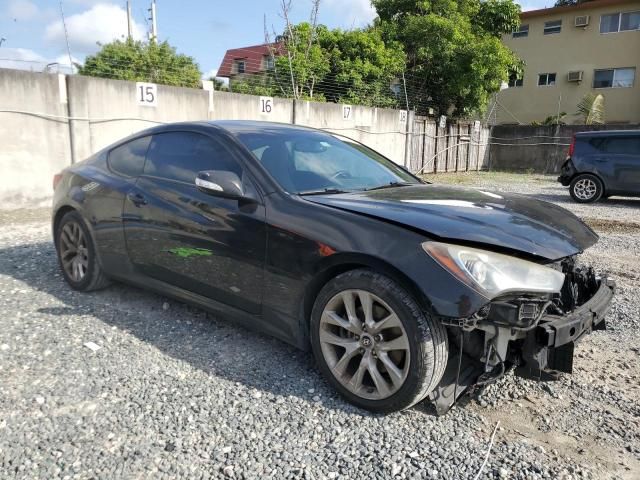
(181, 155)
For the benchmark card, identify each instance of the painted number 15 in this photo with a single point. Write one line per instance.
(146, 94)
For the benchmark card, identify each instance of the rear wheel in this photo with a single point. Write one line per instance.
(375, 344)
(586, 188)
(77, 254)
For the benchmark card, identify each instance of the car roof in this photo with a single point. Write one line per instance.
(231, 126)
(606, 133)
(240, 126)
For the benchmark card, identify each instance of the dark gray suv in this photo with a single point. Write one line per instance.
(602, 164)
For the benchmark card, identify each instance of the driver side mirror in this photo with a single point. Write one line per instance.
(220, 183)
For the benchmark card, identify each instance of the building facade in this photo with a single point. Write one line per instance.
(569, 52)
(242, 63)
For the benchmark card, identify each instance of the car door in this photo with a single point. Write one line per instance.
(180, 235)
(106, 195)
(624, 154)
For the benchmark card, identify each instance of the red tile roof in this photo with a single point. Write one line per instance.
(253, 57)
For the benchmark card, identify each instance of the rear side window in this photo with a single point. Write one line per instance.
(617, 145)
(181, 155)
(128, 159)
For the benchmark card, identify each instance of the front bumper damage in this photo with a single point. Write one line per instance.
(549, 349)
(535, 336)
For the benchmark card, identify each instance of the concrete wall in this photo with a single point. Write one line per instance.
(582, 49)
(537, 149)
(113, 113)
(33, 147)
(235, 106)
(49, 121)
(378, 128)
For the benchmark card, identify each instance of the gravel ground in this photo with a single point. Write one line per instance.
(174, 393)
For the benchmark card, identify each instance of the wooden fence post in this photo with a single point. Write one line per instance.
(446, 147)
(457, 144)
(466, 169)
(435, 151)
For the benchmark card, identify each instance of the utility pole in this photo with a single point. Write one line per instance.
(154, 25)
(129, 29)
(66, 36)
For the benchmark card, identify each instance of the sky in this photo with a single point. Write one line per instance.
(32, 33)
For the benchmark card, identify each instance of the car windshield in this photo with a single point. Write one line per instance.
(307, 162)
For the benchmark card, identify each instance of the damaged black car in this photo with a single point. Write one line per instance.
(404, 290)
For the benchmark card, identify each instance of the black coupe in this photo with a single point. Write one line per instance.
(403, 290)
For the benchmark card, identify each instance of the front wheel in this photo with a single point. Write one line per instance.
(586, 188)
(375, 344)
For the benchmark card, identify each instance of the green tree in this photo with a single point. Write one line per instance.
(314, 63)
(362, 67)
(304, 63)
(257, 85)
(143, 62)
(455, 58)
(218, 84)
(498, 17)
(339, 66)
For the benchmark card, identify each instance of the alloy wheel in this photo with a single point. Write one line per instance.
(364, 344)
(74, 253)
(585, 189)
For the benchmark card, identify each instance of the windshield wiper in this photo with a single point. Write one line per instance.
(323, 191)
(390, 185)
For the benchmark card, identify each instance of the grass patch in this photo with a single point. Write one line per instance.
(604, 225)
(471, 178)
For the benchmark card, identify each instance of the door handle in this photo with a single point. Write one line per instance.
(137, 199)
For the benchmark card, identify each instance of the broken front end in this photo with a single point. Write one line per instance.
(533, 333)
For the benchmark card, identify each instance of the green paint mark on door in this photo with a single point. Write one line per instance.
(190, 252)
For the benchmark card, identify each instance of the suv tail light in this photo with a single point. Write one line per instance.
(572, 146)
(56, 180)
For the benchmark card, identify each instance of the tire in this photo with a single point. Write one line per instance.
(77, 254)
(586, 188)
(413, 340)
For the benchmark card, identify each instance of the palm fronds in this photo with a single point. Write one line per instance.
(591, 109)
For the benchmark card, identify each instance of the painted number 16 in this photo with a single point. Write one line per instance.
(266, 105)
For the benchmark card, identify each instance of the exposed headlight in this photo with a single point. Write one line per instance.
(493, 274)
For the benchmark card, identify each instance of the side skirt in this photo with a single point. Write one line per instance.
(256, 323)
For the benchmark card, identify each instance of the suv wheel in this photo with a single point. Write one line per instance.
(77, 254)
(586, 188)
(375, 344)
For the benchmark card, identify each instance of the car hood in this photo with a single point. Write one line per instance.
(509, 221)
